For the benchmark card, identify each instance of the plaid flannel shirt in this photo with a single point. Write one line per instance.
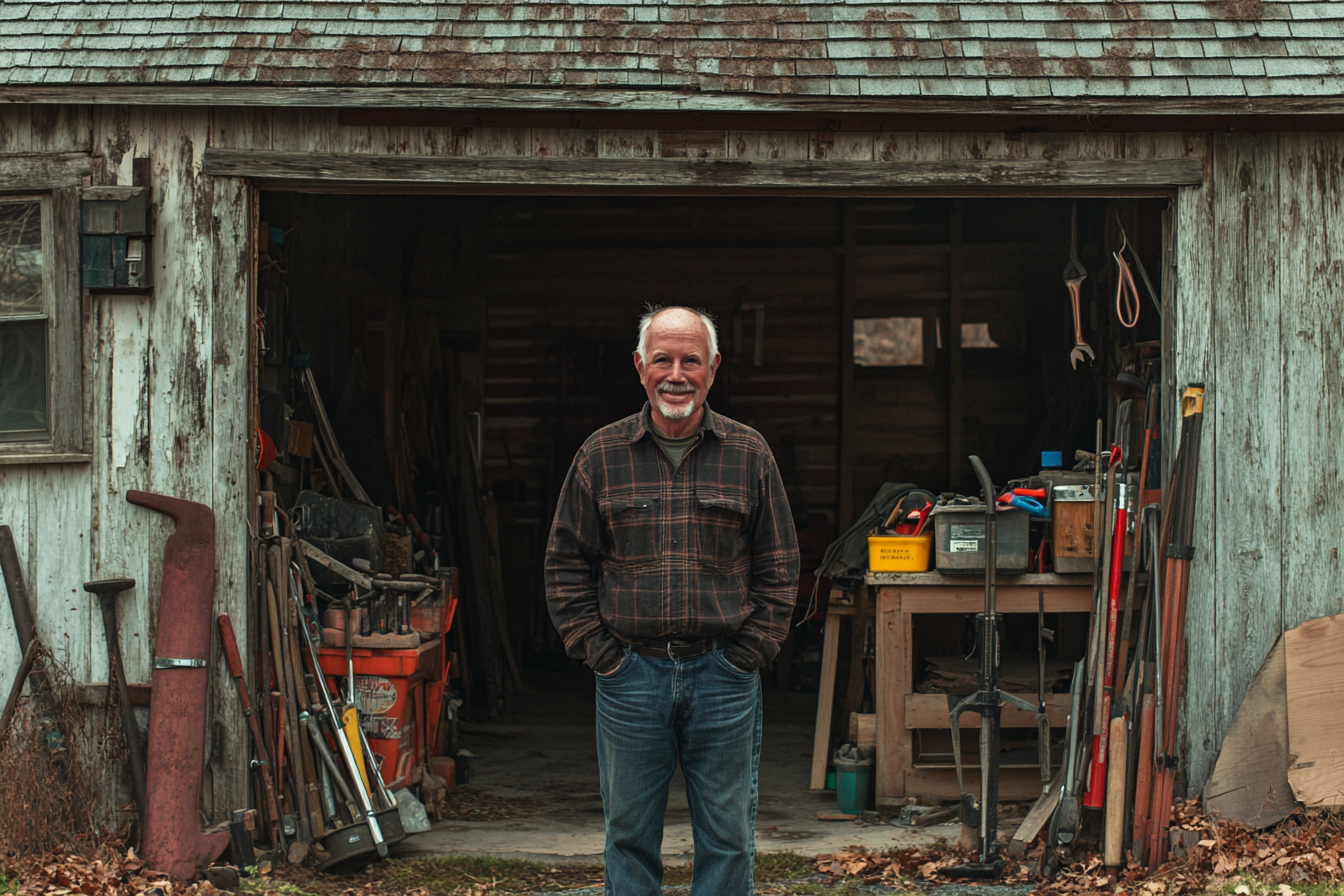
(640, 551)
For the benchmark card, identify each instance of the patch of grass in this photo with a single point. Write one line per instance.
(778, 873)
(677, 875)
(446, 874)
(776, 866)
(1262, 888)
(810, 888)
(270, 886)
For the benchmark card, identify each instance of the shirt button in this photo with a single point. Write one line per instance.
(674, 541)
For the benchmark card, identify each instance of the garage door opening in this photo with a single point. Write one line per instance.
(461, 348)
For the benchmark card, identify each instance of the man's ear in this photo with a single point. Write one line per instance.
(713, 369)
(639, 364)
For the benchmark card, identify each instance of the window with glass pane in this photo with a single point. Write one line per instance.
(23, 320)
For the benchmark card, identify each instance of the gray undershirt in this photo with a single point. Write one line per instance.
(675, 448)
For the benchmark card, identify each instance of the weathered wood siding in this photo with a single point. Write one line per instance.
(1259, 249)
(166, 392)
(1261, 256)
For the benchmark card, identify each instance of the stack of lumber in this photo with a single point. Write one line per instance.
(1018, 674)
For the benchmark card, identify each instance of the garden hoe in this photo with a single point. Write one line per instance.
(983, 813)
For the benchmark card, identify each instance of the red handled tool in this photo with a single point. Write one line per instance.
(1096, 784)
(235, 664)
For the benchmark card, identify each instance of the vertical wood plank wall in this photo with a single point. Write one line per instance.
(167, 412)
(1260, 249)
(1261, 256)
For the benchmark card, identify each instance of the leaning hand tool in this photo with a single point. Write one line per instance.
(107, 591)
(1064, 826)
(263, 763)
(1180, 551)
(26, 630)
(20, 679)
(1043, 634)
(1074, 275)
(344, 742)
(1097, 781)
(982, 813)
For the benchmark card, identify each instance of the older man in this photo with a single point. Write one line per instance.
(672, 571)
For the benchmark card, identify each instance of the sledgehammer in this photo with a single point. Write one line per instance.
(107, 591)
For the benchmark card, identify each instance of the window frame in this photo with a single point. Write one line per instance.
(55, 180)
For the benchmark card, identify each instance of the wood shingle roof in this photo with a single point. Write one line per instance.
(1040, 48)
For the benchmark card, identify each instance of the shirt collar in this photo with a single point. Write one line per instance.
(709, 422)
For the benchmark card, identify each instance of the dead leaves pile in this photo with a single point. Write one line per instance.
(1307, 846)
(109, 872)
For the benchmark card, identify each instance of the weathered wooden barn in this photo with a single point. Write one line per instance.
(521, 176)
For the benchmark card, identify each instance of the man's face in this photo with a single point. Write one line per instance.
(678, 371)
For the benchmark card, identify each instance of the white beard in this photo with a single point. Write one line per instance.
(672, 413)
(676, 413)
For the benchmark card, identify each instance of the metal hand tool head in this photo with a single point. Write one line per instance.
(1080, 352)
(1074, 272)
(104, 587)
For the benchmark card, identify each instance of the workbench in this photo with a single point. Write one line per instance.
(896, 598)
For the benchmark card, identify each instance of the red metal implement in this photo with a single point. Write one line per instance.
(1096, 787)
(173, 840)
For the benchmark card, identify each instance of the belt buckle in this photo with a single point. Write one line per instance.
(671, 644)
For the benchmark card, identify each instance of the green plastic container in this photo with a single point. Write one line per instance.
(852, 786)
(853, 778)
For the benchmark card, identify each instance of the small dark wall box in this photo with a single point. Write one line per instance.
(114, 238)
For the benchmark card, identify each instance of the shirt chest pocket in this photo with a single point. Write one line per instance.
(632, 527)
(721, 522)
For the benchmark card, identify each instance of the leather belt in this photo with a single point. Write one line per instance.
(676, 649)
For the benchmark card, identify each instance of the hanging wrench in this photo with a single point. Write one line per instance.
(1074, 275)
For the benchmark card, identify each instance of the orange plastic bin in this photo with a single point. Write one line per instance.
(390, 695)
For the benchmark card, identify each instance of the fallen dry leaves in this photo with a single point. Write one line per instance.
(110, 871)
(1307, 846)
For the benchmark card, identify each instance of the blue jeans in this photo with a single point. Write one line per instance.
(649, 711)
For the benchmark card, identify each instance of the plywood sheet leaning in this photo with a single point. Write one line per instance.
(1315, 678)
(1249, 784)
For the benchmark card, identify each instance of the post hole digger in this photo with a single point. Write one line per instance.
(982, 813)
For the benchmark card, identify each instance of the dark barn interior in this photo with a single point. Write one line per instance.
(452, 337)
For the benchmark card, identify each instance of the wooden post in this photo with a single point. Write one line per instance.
(955, 400)
(848, 286)
(821, 741)
(893, 738)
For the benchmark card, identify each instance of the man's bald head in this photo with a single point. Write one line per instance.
(677, 356)
(657, 311)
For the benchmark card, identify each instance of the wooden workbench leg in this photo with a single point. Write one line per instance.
(893, 671)
(821, 743)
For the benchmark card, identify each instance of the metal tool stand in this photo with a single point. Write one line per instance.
(983, 813)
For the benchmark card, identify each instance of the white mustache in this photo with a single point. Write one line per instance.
(676, 388)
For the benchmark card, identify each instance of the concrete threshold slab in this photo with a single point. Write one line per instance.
(535, 780)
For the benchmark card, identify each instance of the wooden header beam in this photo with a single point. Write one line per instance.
(336, 171)
(44, 171)
(579, 99)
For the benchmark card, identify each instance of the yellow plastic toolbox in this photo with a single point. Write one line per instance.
(899, 553)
